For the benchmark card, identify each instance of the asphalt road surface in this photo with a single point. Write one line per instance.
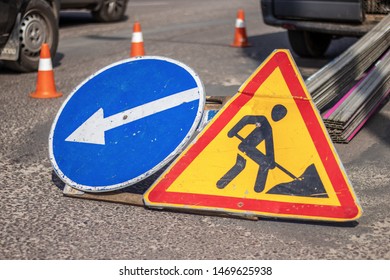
(38, 222)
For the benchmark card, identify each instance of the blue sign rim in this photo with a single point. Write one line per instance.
(179, 148)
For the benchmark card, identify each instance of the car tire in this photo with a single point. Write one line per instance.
(309, 44)
(110, 11)
(38, 25)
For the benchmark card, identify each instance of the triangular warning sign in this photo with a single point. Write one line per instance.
(266, 153)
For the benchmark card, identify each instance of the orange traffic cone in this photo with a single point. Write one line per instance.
(46, 87)
(137, 41)
(240, 38)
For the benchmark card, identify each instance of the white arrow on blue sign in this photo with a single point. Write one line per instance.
(125, 122)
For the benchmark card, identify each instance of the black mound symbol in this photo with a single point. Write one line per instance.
(308, 184)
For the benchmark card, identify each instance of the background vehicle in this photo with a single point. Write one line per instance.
(312, 24)
(24, 26)
(102, 10)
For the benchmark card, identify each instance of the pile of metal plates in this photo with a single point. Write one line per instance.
(349, 89)
(337, 77)
(345, 118)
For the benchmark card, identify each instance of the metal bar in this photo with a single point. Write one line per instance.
(335, 78)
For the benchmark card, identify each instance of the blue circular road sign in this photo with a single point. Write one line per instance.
(125, 122)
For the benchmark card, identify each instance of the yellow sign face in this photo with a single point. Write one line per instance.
(266, 153)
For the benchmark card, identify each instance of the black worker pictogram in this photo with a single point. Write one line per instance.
(309, 184)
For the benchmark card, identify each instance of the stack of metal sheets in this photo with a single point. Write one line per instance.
(348, 115)
(335, 79)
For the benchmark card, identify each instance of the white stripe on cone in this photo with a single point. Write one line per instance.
(45, 64)
(137, 37)
(240, 23)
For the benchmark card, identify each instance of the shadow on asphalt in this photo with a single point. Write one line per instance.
(138, 188)
(57, 181)
(379, 124)
(108, 38)
(78, 18)
(5, 70)
(57, 59)
(350, 224)
(264, 45)
(75, 18)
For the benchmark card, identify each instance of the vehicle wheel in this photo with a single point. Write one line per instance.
(309, 44)
(38, 26)
(111, 10)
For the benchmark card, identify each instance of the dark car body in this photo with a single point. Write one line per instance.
(10, 9)
(26, 24)
(311, 24)
(8, 13)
